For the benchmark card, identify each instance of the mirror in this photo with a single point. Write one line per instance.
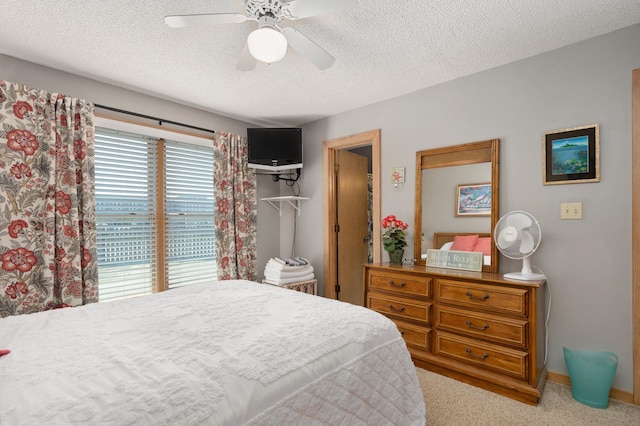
(443, 178)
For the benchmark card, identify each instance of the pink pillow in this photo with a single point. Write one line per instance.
(464, 242)
(484, 245)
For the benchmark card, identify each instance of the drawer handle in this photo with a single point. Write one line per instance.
(392, 284)
(472, 297)
(471, 354)
(475, 327)
(394, 309)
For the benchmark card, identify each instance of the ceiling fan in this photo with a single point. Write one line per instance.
(269, 42)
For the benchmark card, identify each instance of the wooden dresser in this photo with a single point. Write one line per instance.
(475, 327)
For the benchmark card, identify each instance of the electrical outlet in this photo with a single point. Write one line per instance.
(571, 211)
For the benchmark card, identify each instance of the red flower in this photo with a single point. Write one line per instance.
(64, 271)
(21, 108)
(225, 262)
(11, 292)
(73, 289)
(69, 231)
(18, 170)
(391, 221)
(86, 258)
(60, 253)
(22, 287)
(16, 226)
(76, 121)
(393, 237)
(224, 206)
(63, 202)
(79, 149)
(69, 178)
(63, 120)
(22, 140)
(19, 259)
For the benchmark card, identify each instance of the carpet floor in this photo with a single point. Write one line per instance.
(450, 402)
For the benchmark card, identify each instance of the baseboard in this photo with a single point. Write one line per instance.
(614, 393)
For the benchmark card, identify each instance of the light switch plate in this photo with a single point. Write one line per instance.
(571, 211)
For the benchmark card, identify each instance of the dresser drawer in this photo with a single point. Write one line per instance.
(401, 284)
(414, 335)
(484, 355)
(498, 329)
(508, 300)
(400, 307)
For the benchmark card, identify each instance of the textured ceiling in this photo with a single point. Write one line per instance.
(383, 48)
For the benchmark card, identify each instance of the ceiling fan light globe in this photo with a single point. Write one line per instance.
(267, 45)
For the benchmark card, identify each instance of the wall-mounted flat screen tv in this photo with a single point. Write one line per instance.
(275, 149)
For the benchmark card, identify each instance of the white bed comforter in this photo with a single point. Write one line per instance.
(225, 353)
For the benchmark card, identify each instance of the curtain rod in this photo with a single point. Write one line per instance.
(159, 120)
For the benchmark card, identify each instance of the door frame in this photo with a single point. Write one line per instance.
(635, 226)
(329, 149)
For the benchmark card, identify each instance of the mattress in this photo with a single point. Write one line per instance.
(223, 353)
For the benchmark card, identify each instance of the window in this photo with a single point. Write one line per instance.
(188, 202)
(154, 208)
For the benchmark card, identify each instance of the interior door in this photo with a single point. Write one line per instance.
(351, 202)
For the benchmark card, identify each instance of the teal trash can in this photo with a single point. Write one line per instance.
(591, 375)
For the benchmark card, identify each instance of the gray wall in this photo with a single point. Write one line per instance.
(40, 77)
(587, 262)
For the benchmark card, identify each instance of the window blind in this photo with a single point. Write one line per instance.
(189, 209)
(139, 239)
(125, 185)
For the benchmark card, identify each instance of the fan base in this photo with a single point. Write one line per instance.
(524, 277)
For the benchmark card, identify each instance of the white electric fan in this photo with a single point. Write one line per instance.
(517, 236)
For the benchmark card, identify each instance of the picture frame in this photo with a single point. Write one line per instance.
(473, 199)
(397, 175)
(571, 155)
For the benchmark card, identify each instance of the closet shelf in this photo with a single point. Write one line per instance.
(293, 201)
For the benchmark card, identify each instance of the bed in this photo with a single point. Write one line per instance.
(224, 353)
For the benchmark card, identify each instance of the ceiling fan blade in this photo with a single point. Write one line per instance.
(298, 9)
(307, 48)
(246, 62)
(180, 21)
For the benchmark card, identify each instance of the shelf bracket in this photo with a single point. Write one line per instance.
(276, 202)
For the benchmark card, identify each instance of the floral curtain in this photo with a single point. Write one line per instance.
(234, 186)
(47, 203)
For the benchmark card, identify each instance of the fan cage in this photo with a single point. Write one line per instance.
(513, 252)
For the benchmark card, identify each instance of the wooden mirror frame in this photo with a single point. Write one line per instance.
(458, 155)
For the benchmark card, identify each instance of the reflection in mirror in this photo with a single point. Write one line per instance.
(439, 201)
(438, 173)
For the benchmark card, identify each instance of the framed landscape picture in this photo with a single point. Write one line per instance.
(571, 155)
(473, 199)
